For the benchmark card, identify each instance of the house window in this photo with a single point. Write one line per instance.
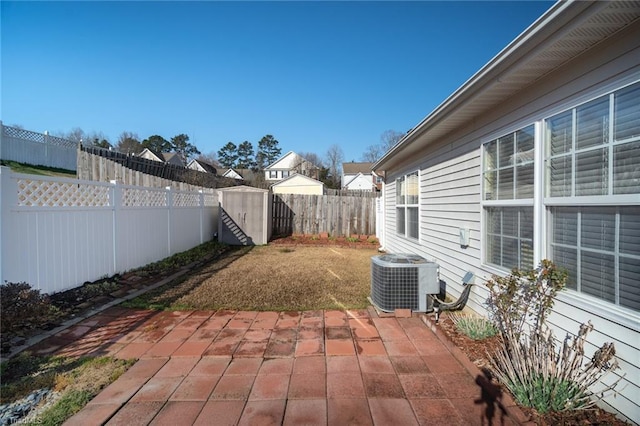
(407, 201)
(508, 199)
(593, 181)
(273, 174)
(509, 241)
(285, 173)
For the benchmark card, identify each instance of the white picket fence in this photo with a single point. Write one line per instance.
(57, 233)
(25, 146)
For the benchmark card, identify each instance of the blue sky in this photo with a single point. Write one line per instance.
(312, 74)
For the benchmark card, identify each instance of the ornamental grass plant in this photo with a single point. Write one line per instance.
(473, 326)
(537, 371)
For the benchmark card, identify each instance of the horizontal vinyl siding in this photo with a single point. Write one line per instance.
(450, 200)
(450, 178)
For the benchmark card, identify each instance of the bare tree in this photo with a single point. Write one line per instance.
(98, 139)
(129, 143)
(312, 158)
(211, 158)
(76, 135)
(372, 153)
(388, 139)
(335, 157)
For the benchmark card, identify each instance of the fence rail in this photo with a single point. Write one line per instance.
(58, 233)
(315, 214)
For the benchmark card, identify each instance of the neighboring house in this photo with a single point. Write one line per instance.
(360, 177)
(202, 166)
(247, 175)
(537, 156)
(232, 174)
(298, 184)
(289, 164)
(359, 182)
(163, 157)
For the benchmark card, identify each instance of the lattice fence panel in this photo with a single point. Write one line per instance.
(28, 135)
(12, 132)
(43, 193)
(210, 199)
(134, 197)
(185, 199)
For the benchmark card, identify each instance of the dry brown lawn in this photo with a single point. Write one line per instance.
(274, 277)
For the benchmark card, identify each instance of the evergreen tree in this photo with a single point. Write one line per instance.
(268, 152)
(228, 155)
(182, 146)
(245, 156)
(157, 143)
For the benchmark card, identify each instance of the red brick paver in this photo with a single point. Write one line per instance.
(292, 368)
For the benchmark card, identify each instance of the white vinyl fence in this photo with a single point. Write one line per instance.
(58, 233)
(25, 146)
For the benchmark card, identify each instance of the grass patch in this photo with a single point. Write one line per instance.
(31, 169)
(77, 379)
(271, 278)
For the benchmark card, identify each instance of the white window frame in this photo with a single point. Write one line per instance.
(514, 202)
(405, 206)
(582, 202)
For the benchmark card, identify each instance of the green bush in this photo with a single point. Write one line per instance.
(23, 307)
(477, 328)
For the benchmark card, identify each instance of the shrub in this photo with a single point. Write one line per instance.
(542, 377)
(524, 297)
(475, 327)
(528, 363)
(23, 307)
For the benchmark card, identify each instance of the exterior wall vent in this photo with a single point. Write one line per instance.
(403, 281)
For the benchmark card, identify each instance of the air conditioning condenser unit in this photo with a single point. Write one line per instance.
(403, 281)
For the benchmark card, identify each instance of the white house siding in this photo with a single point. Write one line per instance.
(450, 198)
(359, 182)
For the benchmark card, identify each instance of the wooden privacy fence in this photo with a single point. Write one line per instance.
(104, 165)
(315, 214)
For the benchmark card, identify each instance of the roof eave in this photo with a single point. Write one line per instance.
(488, 76)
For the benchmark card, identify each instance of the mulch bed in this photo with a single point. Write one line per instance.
(478, 352)
(79, 301)
(323, 239)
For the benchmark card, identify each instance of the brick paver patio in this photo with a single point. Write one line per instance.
(279, 368)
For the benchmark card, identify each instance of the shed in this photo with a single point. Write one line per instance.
(245, 215)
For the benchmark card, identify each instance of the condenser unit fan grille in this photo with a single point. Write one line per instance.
(402, 281)
(397, 288)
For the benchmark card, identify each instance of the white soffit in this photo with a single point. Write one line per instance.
(560, 35)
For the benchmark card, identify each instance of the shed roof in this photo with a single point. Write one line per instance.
(297, 176)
